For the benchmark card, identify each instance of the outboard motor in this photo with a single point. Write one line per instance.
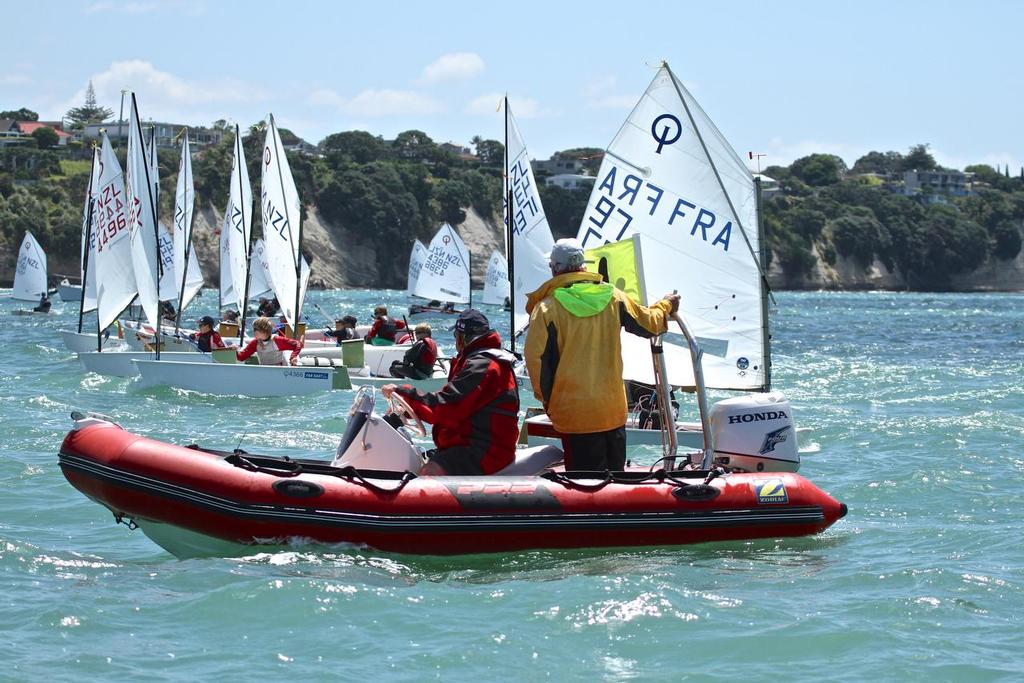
(371, 443)
(755, 433)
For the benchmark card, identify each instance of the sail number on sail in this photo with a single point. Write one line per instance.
(632, 193)
(526, 208)
(438, 260)
(110, 219)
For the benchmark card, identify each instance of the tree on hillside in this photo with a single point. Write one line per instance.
(451, 196)
(943, 244)
(860, 236)
(489, 152)
(918, 159)
(414, 145)
(819, 170)
(882, 163)
(356, 145)
(90, 112)
(22, 114)
(45, 137)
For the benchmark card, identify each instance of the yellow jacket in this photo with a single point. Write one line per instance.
(573, 353)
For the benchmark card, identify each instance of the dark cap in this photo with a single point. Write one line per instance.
(206, 320)
(349, 319)
(472, 323)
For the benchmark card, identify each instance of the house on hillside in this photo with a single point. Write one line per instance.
(10, 134)
(570, 181)
(934, 187)
(29, 127)
(168, 135)
(463, 153)
(558, 166)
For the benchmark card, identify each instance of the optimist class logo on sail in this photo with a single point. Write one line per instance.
(624, 195)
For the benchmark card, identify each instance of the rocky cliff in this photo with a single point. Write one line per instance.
(846, 274)
(341, 256)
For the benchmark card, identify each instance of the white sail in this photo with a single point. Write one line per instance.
(671, 176)
(282, 230)
(187, 275)
(416, 259)
(445, 272)
(142, 219)
(531, 235)
(88, 251)
(227, 289)
(115, 274)
(168, 279)
(238, 221)
(30, 274)
(259, 280)
(496, 280)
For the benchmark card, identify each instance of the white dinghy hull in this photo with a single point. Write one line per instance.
(69, 292)
(240, 379)
(120, 363)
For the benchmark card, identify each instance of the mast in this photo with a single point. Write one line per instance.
(88, 240)
(186, 230)
(248, 243)
(766, 331)
(151, 191)
(509, 251)
(298, 256)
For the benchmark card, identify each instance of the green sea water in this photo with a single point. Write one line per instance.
(915, 419)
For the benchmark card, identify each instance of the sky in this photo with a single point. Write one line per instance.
(785, 79)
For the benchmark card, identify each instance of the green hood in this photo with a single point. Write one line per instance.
(585, 299)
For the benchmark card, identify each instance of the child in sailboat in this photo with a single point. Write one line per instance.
(268, 346)
(206, 339)
(44, 304)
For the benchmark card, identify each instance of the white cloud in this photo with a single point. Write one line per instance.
(601, 94)
(14, 79)
(163, 95)
(452, 67)
(190, 7)
(102, 6)
(375, 103)
(522, 107)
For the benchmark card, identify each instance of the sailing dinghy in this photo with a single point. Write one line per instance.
(444, 274)
(30, 275)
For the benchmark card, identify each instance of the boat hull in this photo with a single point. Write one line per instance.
(540, 432)
(202, 494)
(122, 363)
(69, 292)
(81, 342)
(239, 379)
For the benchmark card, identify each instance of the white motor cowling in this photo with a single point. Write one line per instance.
(755, 433)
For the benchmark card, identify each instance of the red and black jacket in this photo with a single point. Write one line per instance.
(385, 327)
(422, 356)
(478, 408)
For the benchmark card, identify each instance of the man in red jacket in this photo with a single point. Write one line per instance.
(476, 414)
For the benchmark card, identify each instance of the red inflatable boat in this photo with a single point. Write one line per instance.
(194, 501)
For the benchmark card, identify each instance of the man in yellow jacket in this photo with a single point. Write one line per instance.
(574, 356)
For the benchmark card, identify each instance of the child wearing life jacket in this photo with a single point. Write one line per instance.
(206, 339)
(268, 346)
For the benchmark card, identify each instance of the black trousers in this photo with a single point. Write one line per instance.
(596, 451)
(403, 371)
